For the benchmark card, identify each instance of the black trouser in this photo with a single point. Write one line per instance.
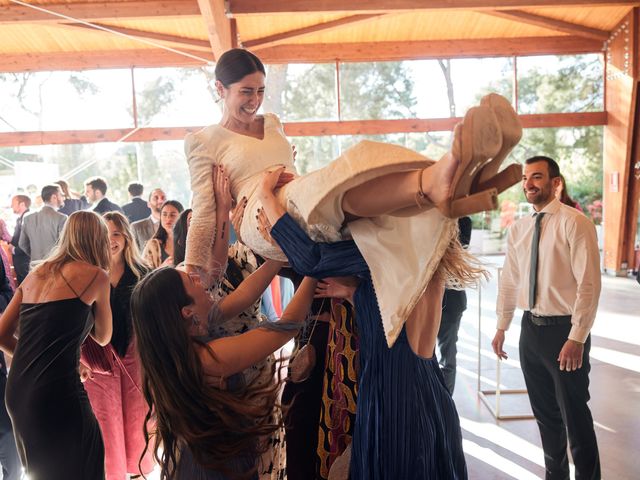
(9, 459)
(559, 401)
(454, 304)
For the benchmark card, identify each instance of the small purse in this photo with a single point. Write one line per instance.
(302, 364)
(98, 359)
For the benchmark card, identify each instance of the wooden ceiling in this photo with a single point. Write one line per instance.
(87, 34)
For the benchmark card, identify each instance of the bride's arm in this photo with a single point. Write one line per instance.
(203, 220)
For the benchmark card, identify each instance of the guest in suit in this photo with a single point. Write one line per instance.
(137, 208)
(9, 459)
(454, 303)
(95, 190)
(552, 272)
(41, 229)
(143, 230)
(20, 205)
(73, 201)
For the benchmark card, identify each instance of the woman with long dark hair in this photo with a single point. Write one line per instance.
(208, 425)
(180, 230)
(159, 249)
(114, 384)
(56, 431)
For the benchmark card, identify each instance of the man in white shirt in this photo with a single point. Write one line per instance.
(558, 288)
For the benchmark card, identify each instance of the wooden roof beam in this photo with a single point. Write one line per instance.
(33, 62)
(222, 34)
(550, 23)
(431, 49)
(255, 7)
(170, 40)
(322, 53)
(357, 127)
(99, 11)
(280, 38)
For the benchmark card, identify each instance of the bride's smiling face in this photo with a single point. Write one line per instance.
(242, 99)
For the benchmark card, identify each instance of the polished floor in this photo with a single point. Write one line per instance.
(505, 449)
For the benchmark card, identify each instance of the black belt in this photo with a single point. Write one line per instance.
(548, 321)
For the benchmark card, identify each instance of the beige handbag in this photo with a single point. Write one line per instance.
(301, 365)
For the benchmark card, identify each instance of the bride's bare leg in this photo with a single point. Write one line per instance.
(400, 190)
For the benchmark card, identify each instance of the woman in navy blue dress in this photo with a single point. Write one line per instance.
(407, 425)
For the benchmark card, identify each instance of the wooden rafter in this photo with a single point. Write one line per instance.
(396, 51)
(162, 38)
(550, 23)
(253, 7)
(324, 53)
(280, 38)
(222, 35)
(99, 11)
(360, 127)
(33, 62)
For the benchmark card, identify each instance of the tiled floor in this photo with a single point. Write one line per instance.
(511, 448)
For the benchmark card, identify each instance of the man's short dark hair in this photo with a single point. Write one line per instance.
(48, 191)
(552, 165)
(135, 189)
(98, 183)
(24, 199)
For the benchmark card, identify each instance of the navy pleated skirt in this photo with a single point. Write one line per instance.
(407, 426)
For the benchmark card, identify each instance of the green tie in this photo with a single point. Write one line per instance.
(533, 272)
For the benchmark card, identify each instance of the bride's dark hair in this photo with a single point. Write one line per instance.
(235, 64)
(216, 425)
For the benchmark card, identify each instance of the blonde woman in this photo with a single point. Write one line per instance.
(114, 386)
(56, 432)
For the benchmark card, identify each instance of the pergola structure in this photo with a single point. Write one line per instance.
(90, 34)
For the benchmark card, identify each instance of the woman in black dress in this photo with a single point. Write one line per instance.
(57, 435)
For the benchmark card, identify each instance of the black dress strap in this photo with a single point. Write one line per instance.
(85, 288)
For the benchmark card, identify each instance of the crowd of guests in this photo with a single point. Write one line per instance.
(178, 364)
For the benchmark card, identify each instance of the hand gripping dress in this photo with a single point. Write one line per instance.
(57, 434)
(402, 251)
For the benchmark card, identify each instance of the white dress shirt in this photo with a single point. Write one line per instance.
(568, 269)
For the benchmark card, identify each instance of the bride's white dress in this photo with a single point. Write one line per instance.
(402, 252)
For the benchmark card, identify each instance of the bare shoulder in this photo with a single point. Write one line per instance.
(81, 273)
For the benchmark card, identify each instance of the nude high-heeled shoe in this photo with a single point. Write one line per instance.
(511, 128)
(476, 141)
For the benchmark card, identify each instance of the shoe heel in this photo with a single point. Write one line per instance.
(503, 180)
(478, 202)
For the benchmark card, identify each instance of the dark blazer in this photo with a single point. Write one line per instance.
(105, 206)
(20, 258)
(73, 205)
(456, 300)
(136, 209)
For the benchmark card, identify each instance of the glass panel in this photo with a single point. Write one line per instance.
(156, 164)
(306, 92)
(472, 78)
(92, 99)
(378, 90)
(579, 153)
(548, 84)
(176, 97)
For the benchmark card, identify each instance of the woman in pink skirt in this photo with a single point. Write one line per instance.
(112, 373)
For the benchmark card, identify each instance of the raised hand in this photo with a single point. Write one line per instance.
(221, 187)
(337, 287)
(237, 214)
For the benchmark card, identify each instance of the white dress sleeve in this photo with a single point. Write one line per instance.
(200, 159)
